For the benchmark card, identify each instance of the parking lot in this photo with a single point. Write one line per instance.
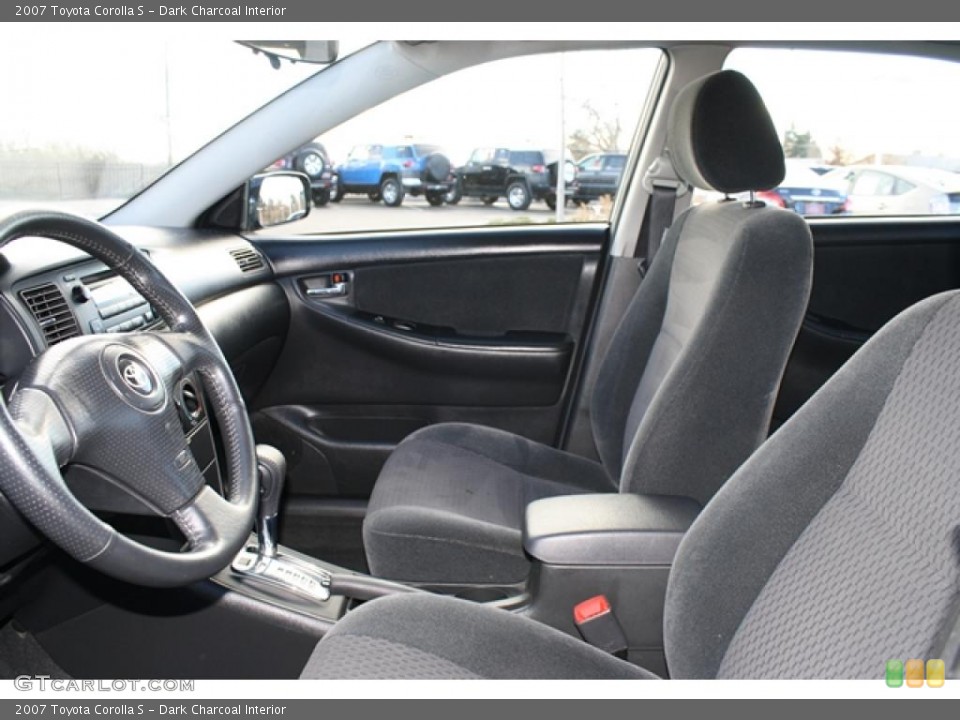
(357, 213)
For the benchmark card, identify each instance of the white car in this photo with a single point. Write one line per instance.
(897, 189)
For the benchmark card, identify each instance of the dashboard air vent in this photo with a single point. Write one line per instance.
(47, 304)
(247, 258)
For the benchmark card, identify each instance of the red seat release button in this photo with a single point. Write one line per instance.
(589, 609)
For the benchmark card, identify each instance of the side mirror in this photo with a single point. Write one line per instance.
(277, 198)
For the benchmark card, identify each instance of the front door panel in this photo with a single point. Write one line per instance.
(390, 333)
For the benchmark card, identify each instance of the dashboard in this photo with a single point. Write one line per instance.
(50, 292)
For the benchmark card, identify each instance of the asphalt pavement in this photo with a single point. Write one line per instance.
(358, 213)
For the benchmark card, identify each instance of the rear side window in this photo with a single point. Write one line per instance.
(398, 153)
(879, 131)
(616, 162)
(870, 182)
(526, 159)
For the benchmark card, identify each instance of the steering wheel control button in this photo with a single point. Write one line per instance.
(133, 378)
(182, 461)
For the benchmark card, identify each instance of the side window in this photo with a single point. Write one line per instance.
(592, 164)
(616, 162)
(482, 146)
(902, 186)
(882, 141)
(483, 155)
(402, 152)
(526, 159)
(873, 183)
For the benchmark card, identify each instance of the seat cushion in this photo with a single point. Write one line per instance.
(448, 506)
(426, 637)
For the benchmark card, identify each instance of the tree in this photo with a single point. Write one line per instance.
(599, 135)
(799, 144)
(839, 155)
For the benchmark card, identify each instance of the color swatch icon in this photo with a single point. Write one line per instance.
(936, 672)
(913, 672)
(894, 673)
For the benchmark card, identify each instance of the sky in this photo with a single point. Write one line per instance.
(514, 102)
(122, 98)
(144, 99)
(865, 102)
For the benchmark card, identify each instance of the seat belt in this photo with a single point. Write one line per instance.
(664, 186)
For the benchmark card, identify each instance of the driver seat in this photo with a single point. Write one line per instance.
(833, 549)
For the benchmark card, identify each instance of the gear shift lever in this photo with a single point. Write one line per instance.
(272, 467)
(267, 565)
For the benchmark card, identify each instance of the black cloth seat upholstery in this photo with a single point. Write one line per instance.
(683, 395)
(456, 496)
(831, 550)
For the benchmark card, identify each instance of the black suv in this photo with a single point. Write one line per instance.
(598, 175)
(313, 161)
(520, 176)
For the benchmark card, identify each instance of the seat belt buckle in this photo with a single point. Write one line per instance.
(599, 627)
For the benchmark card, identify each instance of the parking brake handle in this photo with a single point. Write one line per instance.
(272, 468)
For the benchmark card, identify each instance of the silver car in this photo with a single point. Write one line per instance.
(897, 189)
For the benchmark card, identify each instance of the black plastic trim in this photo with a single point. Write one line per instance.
(853, 231)
(305, 255)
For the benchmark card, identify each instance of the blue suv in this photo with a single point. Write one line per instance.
(389, 172)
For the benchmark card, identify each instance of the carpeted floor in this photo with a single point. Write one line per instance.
(21, 654)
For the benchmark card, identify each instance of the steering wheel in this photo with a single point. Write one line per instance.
(106, 401)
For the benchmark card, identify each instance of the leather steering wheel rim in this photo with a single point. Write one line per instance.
(73, 404)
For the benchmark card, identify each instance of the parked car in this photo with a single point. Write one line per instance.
(389, 172)
(598, 175)
(312, 160)
(520, 176)
(806, 192)
(897, 189)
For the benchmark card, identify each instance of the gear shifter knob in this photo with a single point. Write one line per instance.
(272, 467)
(285, 573)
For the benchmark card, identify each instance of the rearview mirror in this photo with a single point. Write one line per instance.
(321, 52)
(277, 198)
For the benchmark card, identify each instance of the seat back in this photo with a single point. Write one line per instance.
(686, 390)
(836, 546)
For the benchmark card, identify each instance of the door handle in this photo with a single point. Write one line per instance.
(321, 287)
(335, 290)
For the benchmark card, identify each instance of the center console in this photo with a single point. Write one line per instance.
(290, 580)
(617, 545)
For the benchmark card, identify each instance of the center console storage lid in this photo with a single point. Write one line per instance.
(607, 529)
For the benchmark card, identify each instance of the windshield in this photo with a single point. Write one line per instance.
(88, 127)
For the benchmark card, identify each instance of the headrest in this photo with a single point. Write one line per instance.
(721, 137)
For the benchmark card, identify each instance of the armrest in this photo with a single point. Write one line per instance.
(607, 529)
